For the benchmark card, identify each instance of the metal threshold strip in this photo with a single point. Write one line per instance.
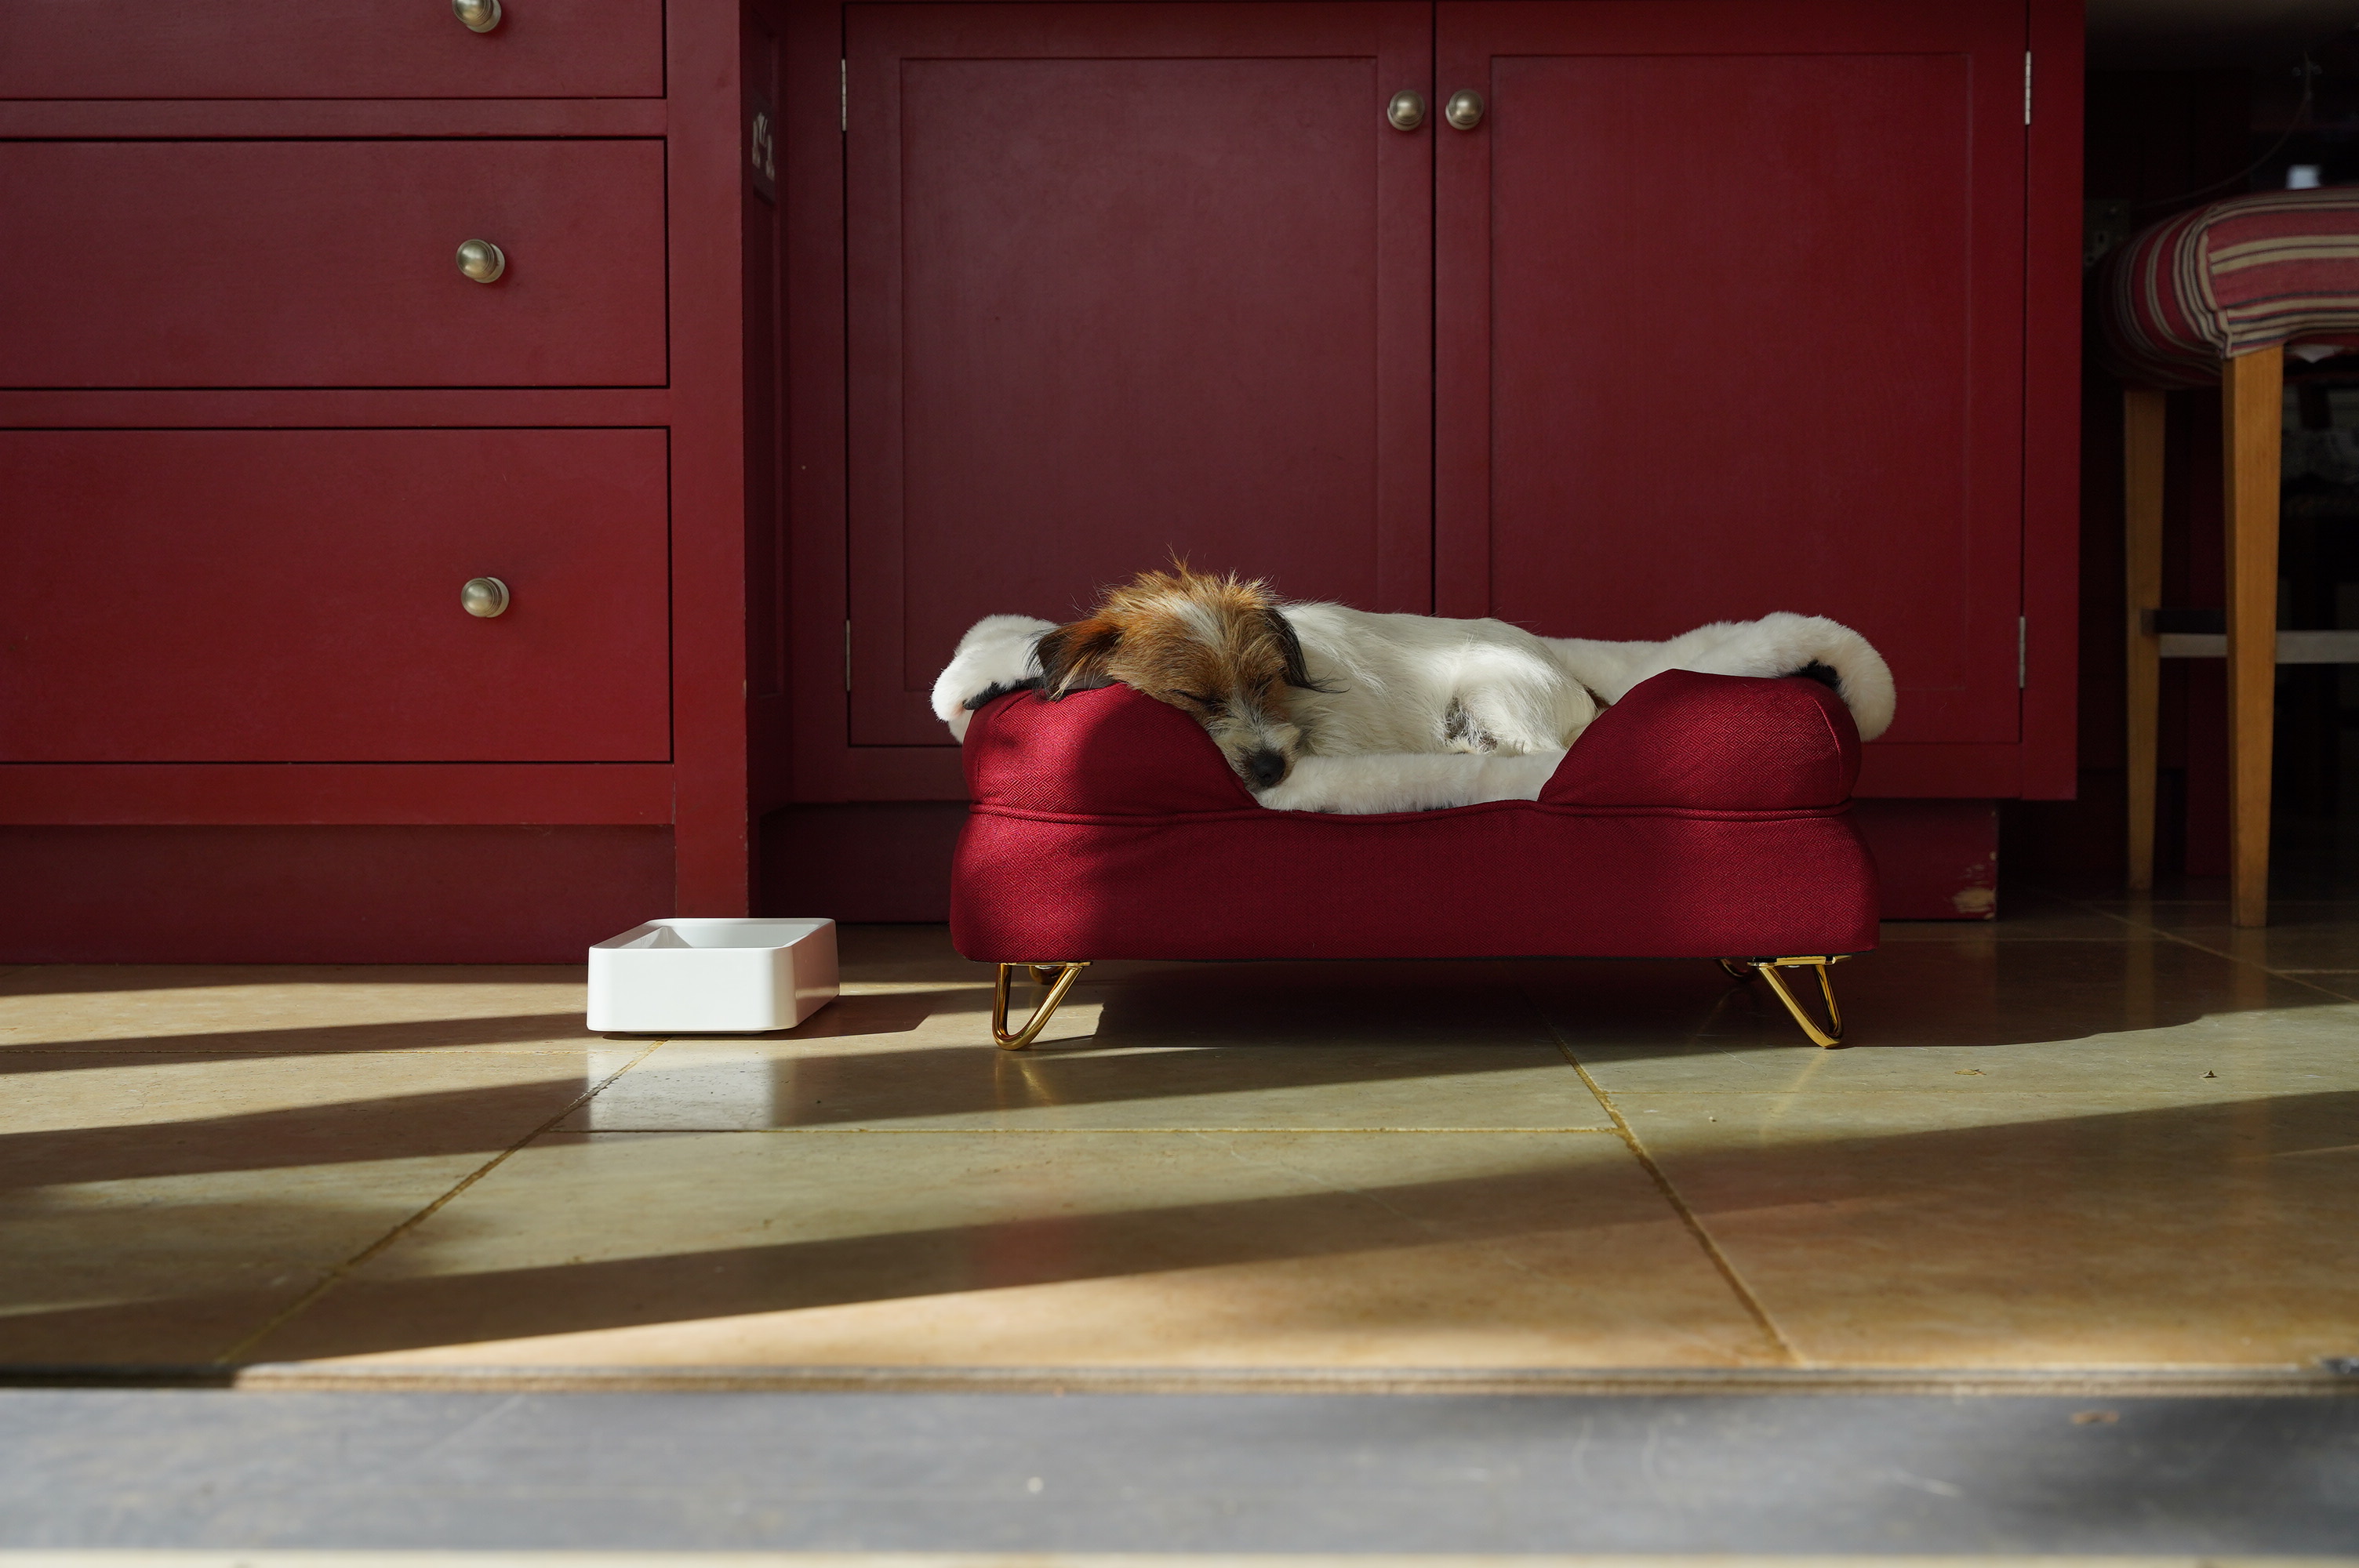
(2331, 1381)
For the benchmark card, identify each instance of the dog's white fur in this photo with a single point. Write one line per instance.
(997, 651)
(1777, 645)
(1394, 681)
(1409, 781)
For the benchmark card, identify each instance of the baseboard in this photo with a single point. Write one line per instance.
(325, 894)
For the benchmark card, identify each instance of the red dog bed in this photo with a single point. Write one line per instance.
(1702, 816)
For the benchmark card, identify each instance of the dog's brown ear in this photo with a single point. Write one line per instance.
(1294, 673)
(1073, 658)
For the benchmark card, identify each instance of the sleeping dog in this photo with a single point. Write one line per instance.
(1323, 707)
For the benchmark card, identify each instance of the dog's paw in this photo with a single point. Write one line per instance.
(995, 658)
(1825, 674)
(996, 690)
(1848, 665)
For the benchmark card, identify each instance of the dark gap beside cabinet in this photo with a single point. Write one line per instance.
(874, 861)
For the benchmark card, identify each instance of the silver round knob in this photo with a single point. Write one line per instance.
(484, 596)
(480, 16)
(1465, 109)
(482, 261)
(1406, 111)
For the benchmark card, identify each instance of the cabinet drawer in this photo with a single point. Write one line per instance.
(294, 596)
(328, 49)
(330, 264)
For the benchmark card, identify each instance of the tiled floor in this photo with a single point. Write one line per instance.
(2094, 1134)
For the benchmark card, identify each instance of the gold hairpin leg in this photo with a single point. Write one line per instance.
(1744, 969)
(1058, 978)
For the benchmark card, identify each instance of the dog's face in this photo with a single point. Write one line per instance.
(1217, 649)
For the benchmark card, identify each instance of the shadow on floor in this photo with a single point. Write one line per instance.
(2084, 1182)
(305, 1040)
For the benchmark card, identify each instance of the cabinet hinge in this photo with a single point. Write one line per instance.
(2026, 87)
(847, 655)
(2022, 652)
(843, 95)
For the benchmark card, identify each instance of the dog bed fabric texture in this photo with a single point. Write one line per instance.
(1702, 816)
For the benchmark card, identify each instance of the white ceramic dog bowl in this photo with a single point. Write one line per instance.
(712, 977)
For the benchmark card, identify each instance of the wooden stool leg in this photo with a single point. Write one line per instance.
(2142, 424)
(2251, 415)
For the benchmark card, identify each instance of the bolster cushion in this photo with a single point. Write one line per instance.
(1701, 816)
(1714, 743)
(1109, 752)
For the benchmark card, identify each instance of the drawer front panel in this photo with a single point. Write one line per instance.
(294, 596)
(330, 264)
(328, 49)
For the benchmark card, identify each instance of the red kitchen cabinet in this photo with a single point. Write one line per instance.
(257, 428)
(829, 326)
(1735, 306)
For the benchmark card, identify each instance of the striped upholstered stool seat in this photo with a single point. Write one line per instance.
(2222, 296)
(2257, 272)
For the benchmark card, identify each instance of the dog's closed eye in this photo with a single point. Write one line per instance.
(1208, 703)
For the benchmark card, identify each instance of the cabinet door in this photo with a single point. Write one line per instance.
(293, 596)
(1731, 299)
(1126, 282)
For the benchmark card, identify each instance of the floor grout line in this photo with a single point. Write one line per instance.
(2292, 976)
(1289, 1129)
(343, 1270)
(1688, 1217)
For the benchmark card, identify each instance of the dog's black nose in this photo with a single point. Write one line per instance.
(1264, 767)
